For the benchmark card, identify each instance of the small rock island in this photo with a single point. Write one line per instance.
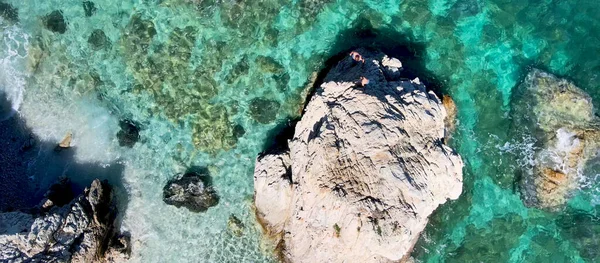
(365, 168)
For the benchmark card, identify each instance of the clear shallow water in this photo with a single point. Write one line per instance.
(190, 73)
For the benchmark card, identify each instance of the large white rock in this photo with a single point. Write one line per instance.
(368, 167)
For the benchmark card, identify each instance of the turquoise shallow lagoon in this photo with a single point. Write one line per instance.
(209, 81)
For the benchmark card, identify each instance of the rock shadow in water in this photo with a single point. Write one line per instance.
(29, 166)
(412, 54)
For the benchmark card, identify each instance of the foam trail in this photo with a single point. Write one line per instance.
(13, 58)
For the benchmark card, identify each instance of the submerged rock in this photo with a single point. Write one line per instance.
(89, 8)
(98, 40)
(235, 225)
(269, 65)
(193, 191)
(561, 118)
(55, 22)
(9, 12)
(66, 141)
(81, 231)
(129, 133)
(364, 170)
(264, 110)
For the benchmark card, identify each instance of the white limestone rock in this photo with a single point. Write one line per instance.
(368, 167)
(273, 191)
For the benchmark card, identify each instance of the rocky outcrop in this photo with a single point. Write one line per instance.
(80, 231)
(193, 191)
(567, 133)
(129, 133)
(364, 170)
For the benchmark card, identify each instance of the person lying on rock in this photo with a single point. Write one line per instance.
(357, 57)
(363, 81)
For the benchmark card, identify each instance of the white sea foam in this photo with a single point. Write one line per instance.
(13, 59)
(51, 117)
(523, 149)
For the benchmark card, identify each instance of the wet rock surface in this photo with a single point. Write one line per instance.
(80, 231)
(193, 191)
(129, 133)
(365, 168)
(560, 116)
(235, 225)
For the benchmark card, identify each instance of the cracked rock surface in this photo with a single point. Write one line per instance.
(364, 170)
(80, 231)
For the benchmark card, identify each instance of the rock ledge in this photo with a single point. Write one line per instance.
(81, 231)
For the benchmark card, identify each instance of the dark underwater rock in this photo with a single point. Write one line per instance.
(129, 133)
(581, 229)
(238, 131)
(264, 110)
(55, 22)
(268, 64)
(98, 40)
(239, 69)
(89, 8)
(282, 81)
(9, 12)
(193, 191)
(235, 225)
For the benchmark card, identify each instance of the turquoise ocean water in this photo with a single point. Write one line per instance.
(209, 80)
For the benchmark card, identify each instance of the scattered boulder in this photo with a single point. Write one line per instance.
(193, 191)
(129, 133)
(561, 118)
(98, 40)
(264, 110)
(55, 22)
(89, 8)
(363, 171)
(235, 225)
(81, 231)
